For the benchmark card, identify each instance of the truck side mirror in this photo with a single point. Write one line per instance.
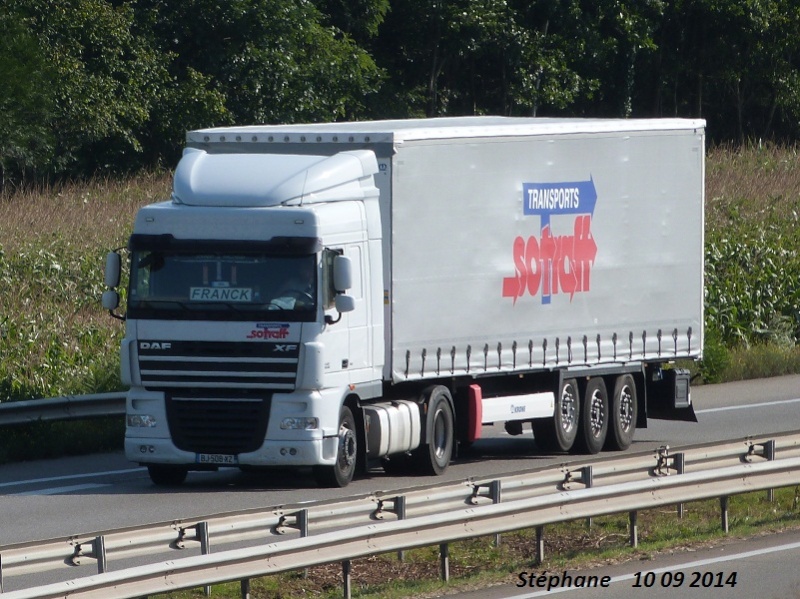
(113, 272)
(113, 269)
(110, 300)
(342, 273)
(345, 303)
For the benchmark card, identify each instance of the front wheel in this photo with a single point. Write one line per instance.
(341, 473)
(434, 457)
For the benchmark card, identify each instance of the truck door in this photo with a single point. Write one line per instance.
(360, 339)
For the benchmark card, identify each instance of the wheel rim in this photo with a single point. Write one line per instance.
(439, 435)
(568, 405)
(347, 448)
(625, 408)
(597, 416)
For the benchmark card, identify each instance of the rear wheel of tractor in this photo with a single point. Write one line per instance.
(594, 418)
(624, 412)
(558, 433)
(341, 473)
(434, 457)
(165, 475)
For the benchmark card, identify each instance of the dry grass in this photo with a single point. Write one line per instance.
(752, 185)
(86, 215)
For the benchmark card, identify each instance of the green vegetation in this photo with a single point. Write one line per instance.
(55, 338)
(752, 263)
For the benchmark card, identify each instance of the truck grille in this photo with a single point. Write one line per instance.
(220, 365)
(229, 424)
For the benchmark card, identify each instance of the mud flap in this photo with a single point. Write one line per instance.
(669, 396)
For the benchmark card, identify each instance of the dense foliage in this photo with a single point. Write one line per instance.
(111, 85)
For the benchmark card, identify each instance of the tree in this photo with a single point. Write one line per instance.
(497, 56)
(360, 19)
(733, 62)
(271, 60)
(106, 81)
(26, 101)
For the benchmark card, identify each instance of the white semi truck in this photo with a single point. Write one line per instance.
(331, 295)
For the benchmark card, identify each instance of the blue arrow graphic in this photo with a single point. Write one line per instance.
(546, 199)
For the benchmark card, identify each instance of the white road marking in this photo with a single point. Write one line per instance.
(672, 568)
(50, 479)
(60, 490)
(748, 406)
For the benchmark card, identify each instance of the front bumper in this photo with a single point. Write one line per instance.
(314, 452)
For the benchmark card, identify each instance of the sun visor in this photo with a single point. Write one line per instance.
(248, 180)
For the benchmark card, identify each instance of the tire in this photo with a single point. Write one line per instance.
(558, 434)
(341, 473)
(166, 476)
(624, 412)
(434, 457)
(594, 418)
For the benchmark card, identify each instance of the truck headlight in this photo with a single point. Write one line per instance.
(299, 423)
(141, 420)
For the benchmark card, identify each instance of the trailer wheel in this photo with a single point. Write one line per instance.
(165, 475)
(624, 411)
(341, 473)
(434, 457)
(594, 417)
(558, 433)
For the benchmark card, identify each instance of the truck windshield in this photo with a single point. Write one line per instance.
(222, 286)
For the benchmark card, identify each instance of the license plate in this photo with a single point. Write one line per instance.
(217, 459)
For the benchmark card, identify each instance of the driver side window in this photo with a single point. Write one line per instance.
(328, 291)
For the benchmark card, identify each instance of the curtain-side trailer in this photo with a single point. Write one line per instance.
(325, 295)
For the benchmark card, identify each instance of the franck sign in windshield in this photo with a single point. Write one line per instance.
(547, 264)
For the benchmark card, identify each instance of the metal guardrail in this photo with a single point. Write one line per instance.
(69, 407)
(383, 522)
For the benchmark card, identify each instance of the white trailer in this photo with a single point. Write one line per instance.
(324, 295)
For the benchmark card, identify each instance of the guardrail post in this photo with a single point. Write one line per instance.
(100, 553)
(205, 547)
(302, 524)
(769, 453)
(723, 505)
(587, 479)
(633, 517)
(400, 509)
(444, 558)
(346, 578)
(680, 466)
(1, 573)
(539, 545)
(496, 489)
(245, 588)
